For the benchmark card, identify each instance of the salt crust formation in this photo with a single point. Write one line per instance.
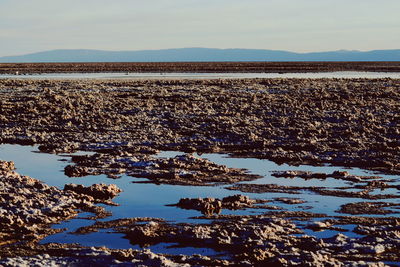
(344, 122)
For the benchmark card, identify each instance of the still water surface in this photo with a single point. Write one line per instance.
(149, 200)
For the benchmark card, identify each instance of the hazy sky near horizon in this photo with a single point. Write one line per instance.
(296, 25)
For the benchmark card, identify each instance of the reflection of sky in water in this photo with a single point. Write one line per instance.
(328, 233)
(149, 200)
(385, 191)
(338, 74)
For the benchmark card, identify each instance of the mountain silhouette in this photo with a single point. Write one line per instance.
(200, 54)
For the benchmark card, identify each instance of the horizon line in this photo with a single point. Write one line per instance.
(194, 47)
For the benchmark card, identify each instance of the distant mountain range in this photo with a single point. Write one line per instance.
(200, 54)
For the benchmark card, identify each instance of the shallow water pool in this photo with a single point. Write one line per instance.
(150, 200)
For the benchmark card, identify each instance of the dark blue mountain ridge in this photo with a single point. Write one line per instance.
(199, 55)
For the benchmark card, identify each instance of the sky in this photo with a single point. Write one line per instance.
(28, 26)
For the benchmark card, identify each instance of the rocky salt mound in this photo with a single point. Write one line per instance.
(351, 122)
(209, 206)
(28, 207)
(93, 257)
(261, 240)
(97, 191)
(346, 122)
(184, 169)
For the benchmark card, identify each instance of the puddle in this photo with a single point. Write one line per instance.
(331, 233)
(149, 200)
(97, 239)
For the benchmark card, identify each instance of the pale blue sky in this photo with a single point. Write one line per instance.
(295, 25)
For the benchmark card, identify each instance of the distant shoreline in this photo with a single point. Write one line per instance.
(198, 67)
